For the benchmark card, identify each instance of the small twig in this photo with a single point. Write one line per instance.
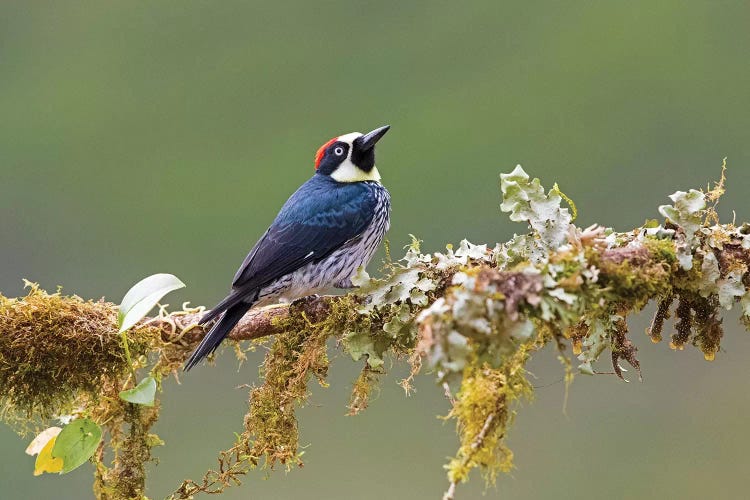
(448, 395)
(482, 434)
(450, 492)
(447, 390)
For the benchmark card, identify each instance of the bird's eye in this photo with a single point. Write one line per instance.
(339, 151)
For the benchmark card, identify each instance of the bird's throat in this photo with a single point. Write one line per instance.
(348, 172)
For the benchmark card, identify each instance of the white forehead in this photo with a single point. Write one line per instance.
(349, 138)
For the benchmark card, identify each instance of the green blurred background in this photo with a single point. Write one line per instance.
(143, 137)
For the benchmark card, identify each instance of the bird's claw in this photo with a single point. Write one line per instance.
(303, 301)
(345, 284)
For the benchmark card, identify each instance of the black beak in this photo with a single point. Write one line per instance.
(368, 141)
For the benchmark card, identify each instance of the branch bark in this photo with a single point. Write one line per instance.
(256, 324)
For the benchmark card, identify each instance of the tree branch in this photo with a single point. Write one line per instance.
(257, 323)
(472, 315)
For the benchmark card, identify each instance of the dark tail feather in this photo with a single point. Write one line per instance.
(221, 329)
(228, 301)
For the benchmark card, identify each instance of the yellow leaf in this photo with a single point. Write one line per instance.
(42, 439)
(45, 462)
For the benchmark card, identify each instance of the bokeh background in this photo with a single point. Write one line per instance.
(143, 137)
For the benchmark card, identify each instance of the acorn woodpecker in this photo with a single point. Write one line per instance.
(328, 228)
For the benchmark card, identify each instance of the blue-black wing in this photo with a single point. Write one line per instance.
(316, 220)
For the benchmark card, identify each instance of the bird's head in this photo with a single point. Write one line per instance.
(350, 157)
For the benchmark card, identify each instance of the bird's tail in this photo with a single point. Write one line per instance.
(221, 329)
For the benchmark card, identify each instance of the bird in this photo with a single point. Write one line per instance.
(326, 230)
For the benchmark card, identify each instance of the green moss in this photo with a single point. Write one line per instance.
(362, 390)
(127, 478)
(45, 340)
(662, 250)
(633, 278)
(483, 410)
(271, 422)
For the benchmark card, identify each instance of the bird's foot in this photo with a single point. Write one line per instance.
(345, 284)
(303, 301)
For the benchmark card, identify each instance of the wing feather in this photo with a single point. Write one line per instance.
(316, 220)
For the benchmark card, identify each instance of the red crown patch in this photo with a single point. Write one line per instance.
(321, 151)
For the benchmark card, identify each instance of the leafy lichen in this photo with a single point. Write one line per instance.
(526, 201)
(688, 213)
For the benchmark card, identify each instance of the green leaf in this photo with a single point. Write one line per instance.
(143, 296)
(142, 394)
(76, 443)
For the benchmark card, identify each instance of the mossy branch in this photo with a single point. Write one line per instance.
(471, 315)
